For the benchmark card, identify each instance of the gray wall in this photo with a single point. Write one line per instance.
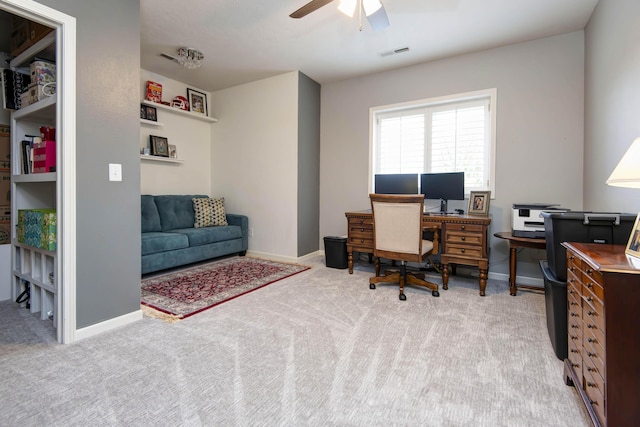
(108, 213)
(612, 101)
(308, 165)
(540, 119)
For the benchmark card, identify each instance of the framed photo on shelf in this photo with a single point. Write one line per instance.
(159, 146)
(143, 111)
(197, 101)
(151, 113)
(173, 153)
(479, 202)
(633, 245)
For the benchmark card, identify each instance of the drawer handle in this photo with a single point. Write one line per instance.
(573, 303)
(571, 257)
(591, 340)
(571, 290)
(590, 326)
(589, 299)
(571, 268)
(575, 326)
(362, 229)
(574, 315)
(589, 271)
(591, 354)
(463, 227)
(361, 241)
(463, 238)
(589, 285)
(591, 384)
(574, 338)
(574, 351)
(593, 402)
(575, 365)
(591, 370)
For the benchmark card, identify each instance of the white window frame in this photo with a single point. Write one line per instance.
(490, 94)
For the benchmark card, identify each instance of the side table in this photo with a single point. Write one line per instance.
(514, 244)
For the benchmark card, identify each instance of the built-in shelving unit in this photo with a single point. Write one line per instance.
(34, 267)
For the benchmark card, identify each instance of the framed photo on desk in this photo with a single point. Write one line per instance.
(633, 245)
(479, 202)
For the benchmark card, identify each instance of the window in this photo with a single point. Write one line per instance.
(450, 134)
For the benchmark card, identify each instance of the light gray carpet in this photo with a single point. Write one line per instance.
(319, 348)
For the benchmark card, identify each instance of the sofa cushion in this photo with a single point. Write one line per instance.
(176, 211)
(209, 212)
(150, 216)
(154, 242)
(205, 235)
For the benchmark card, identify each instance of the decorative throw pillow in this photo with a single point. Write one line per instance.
(209, 212)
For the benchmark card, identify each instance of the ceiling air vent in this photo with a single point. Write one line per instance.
(394, 51)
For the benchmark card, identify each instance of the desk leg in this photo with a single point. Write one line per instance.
(483, 268)
(445, 276)
(350, 261)
(513, 266)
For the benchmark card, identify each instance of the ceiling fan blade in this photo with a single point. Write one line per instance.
(379, 19)
(312, 6)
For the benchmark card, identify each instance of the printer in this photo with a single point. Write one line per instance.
(526, 220)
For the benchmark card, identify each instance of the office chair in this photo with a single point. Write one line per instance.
(397, 235)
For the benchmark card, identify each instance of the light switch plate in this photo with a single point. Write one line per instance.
(115, 172)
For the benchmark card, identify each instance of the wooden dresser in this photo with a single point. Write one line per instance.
(603, 299)
(463, 240)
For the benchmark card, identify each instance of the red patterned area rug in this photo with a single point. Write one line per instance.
(184, 293)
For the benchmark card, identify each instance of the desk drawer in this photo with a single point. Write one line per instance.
(464, 238)
(469, 251)
(474, 228)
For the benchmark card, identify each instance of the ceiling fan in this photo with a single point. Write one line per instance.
(373, 10)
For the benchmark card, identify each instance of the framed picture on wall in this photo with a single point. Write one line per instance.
(151, 113)
(159, 146)
(197, 101)
(173, 153)
(479, 202)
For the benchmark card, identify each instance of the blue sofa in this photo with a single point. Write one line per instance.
(169, 238)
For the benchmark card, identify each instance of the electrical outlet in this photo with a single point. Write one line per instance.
(250, 231)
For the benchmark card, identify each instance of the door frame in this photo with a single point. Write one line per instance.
(65, 27)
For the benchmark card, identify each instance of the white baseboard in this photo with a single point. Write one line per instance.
(272, 257)
(107, 325)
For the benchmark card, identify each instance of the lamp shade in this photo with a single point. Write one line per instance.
(627, 173)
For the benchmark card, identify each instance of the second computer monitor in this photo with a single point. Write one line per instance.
(442, 186)
(396, 183)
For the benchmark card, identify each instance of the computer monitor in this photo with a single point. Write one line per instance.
(396, 183)
(443, 186)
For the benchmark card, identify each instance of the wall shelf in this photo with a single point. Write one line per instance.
(159, 159)
(180, 112)
(151, 123)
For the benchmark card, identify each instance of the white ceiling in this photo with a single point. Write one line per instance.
(245, 41)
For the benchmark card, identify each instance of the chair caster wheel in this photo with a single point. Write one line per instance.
(403, 297)
(435, 293)
(372, 286)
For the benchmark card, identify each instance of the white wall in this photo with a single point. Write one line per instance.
(612, 85)
(193, 143)
(254, 159)
(539, 130)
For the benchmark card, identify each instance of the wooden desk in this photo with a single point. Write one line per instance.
(514, 244)
(463, 240)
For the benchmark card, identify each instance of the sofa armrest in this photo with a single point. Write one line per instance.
(243, 222)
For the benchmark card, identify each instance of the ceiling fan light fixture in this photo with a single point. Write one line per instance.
(371, 6)
(189, 57)
(348, 7)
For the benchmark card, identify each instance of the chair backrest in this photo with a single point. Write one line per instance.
(397, 225)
